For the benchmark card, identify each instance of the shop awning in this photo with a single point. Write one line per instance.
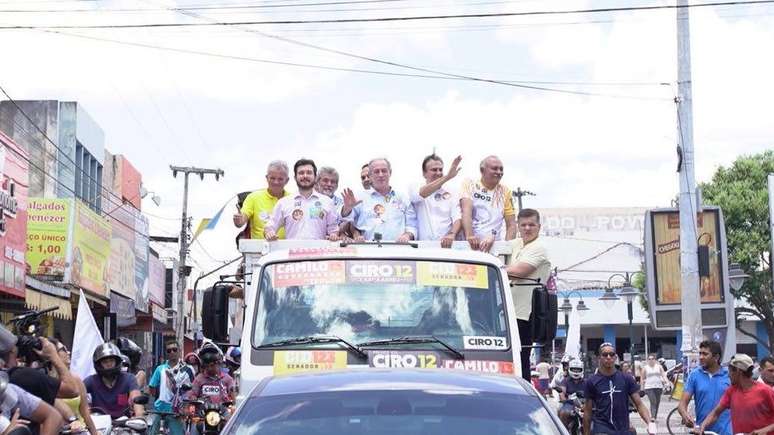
(40, 301)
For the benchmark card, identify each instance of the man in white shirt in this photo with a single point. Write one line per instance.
(437, 208)
(529, 261)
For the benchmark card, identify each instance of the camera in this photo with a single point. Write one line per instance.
(27, 328)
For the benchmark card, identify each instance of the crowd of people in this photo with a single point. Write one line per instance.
(727, 400)
(38, 391)
(479, 211)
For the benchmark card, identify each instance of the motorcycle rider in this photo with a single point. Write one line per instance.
(572, 384)
(111, 389)
(212, 384)
(561, 375)
(134, 352)
(233, 360)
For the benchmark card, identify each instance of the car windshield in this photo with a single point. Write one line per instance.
(366, 300)
(425, 412)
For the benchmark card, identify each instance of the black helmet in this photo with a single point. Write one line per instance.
(130, 349)
(103, 351)
(210, 353)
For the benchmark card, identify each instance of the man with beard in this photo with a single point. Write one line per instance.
(307, 215)
(486, 205)
(437, 207)
(380, 210)
(327, 183)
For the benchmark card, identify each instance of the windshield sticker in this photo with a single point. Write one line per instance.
(452, 275)
(309, 273)
(484, 343)
(501, 367)
(295, 361)
(321, 252)
(382, 272)
(403, 359)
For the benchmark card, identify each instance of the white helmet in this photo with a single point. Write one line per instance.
(566, 358)
(576, 369)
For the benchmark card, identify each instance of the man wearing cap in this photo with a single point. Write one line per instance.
(607, 394)
(437, 207)
(751, 403)
(307, 215)
(486, 205)
(706, 385)
(381, 210)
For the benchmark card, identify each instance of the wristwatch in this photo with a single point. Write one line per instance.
(72, 419)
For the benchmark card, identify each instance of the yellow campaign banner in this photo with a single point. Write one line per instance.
(48, 222)
(452, 274)
(90, 250)
(295, 361)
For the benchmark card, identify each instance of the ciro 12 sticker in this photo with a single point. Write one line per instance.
(404, 359)
(484, 343)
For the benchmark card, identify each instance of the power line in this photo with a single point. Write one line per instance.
(594, 257)
(68, 188)
(440, 75)
(389, 19)
(218, 7)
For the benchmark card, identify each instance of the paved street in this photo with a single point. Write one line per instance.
(665, 407)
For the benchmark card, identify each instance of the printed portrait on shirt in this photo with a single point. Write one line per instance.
(297, 214)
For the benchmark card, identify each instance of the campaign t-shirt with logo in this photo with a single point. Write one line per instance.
(490, 208)
(611, 402)
(216, 389)
(311, 218)
(435, 214)
(115, 400)
(751, 409)
(390, 215)
(168, 380)
(258, 207)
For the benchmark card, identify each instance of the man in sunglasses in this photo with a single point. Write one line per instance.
(606, 411)
(165, 386)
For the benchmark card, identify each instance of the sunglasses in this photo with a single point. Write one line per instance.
(171, 349)
(607, 354)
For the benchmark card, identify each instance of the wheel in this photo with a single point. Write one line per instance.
(675, 424)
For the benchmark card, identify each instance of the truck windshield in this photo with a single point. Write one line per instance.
(365, 300)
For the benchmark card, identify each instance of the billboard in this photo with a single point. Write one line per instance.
(90, 250)
(48, 226)
(14, 172)
(666, 256)
(156, 280)
(128, 263)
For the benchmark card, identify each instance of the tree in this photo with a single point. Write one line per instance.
(741, 192)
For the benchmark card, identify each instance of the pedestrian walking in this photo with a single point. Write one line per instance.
(653, 381)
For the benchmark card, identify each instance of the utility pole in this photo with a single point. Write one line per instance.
(519, 193)
(689, 261)
(184, 239)
(771, 227)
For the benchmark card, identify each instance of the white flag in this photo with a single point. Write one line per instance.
(85, 340)
(572, 339)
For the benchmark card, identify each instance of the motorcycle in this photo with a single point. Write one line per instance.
(124, 425)
(575, 424)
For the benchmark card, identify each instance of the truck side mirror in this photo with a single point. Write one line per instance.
(215, 312)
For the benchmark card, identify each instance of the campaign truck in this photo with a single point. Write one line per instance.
(318, 305)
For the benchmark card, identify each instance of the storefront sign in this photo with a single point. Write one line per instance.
(48, 223)
(123, 308)
(156, 279)
(128, 264)
(90, 250)
(159, 313)
(13, 216)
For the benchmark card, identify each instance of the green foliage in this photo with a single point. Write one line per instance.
(741, 192)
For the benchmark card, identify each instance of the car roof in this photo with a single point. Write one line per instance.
(391, 379)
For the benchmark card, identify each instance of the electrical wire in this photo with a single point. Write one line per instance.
(390, 19)
(74, 166)
(594, 257)
(519, 83)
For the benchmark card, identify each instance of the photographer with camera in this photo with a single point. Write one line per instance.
(16, 403)
(32, 380)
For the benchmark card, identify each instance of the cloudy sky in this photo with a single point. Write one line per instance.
(205, 95)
